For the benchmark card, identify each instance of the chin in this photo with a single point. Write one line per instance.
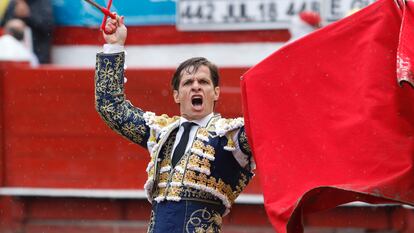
(197, 111)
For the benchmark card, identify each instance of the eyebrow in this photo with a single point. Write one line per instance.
(198, 78)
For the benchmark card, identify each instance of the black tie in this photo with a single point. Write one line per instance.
(180, 149)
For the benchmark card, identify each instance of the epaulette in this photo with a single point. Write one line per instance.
(158, 124)
(226, 127)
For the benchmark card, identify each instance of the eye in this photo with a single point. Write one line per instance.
(204, 81)
(187, 82)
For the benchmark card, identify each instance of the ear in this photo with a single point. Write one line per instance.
(216, 93)
(175, 95)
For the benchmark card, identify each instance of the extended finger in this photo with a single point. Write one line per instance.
(121, 20)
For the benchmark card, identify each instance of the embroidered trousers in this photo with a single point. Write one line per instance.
(185, 216)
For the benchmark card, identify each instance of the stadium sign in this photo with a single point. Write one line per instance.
(256, 14)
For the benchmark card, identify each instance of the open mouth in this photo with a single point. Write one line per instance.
(197, 101)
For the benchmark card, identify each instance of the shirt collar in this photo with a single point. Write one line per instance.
(200, 122)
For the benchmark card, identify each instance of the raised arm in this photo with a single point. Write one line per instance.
(117, 112)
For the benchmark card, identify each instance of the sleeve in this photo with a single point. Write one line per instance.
(117, 112)
(243, 142)
(242, 151)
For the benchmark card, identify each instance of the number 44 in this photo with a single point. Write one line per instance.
(297, 7)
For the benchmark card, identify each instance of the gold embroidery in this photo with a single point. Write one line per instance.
(231, 146)
(202, 179)
(151, 222)
(182, 163)
(202, 133)
(219, 186)
(190, 176)
(107, 107)
(161, 192)
(177, 177)
(217, 219)
(164, 163)
(211, 182)
(164, 177)
(173, 192)
(167, 151)
(111, 105)
(205, 164)
(152, 138)
(130, 131)
(204, 221)
(119, 63)
(165, 120)
(242, 184)
(151, 172)
(198, 145)
(209, 150)
(107, 72)
(192, 193)
(194, 160)
(244, 143)
(141, 130)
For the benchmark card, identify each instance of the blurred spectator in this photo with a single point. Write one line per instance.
(304, 23)
(38, 15)
(12, 43)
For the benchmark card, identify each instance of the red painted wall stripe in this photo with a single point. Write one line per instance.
(153, 35)
(56, 139)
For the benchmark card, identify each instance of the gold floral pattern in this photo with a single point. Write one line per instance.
(130, 130)
(164, 175)
(117, 112)
(204, 221)
(242, 184)
(198, 144)
(244, 145)
(209, 150)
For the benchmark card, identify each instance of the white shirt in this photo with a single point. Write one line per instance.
(113, 48)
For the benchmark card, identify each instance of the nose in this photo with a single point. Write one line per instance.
(196, 86)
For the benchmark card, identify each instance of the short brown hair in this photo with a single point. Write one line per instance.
(191, 66)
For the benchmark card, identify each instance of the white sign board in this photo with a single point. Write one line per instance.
(256, 14)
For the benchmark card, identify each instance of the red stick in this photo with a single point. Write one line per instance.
(108, 13)
(102, 9)
(107, 9)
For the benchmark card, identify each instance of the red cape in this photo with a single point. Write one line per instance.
(326, 119)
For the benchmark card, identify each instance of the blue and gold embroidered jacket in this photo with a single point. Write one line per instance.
(208, 171)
